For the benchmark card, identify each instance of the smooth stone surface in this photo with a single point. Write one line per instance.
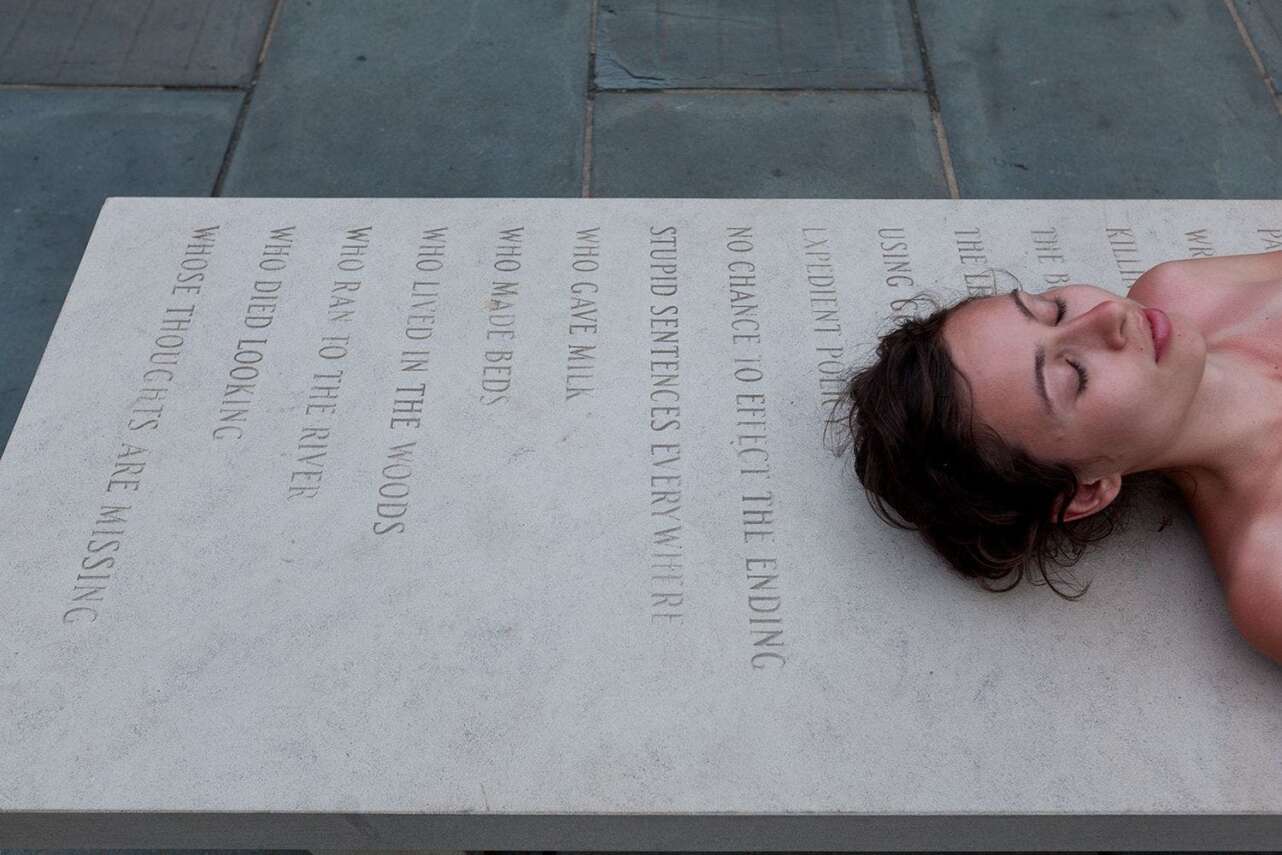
(634, 602)
(1053, 100)
(407, 98)
(132, 42)
(758, 44)
(61, 154)
(786, 144)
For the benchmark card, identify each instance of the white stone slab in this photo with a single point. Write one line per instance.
(501, 642)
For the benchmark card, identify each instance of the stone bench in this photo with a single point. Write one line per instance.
(510, 524)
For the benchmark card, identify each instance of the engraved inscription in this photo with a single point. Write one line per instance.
(242, 377)
(1126, 253)
(825, 322)
(971, 252)
(409, 397)
(580, 367)
(667, 548)
(1199, 243)
(757, 520)
(500, 323)
(323, 393)
(1047, 249)
(144, 414)
(892, 242)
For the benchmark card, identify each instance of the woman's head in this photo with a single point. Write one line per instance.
(950, 431)
(1072, 375)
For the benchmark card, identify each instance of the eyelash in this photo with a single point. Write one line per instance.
(1081, 371)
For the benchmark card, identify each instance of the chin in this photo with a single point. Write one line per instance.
(1186, 342)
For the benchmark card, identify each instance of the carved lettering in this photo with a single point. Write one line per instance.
(748, 372)
(667, 547)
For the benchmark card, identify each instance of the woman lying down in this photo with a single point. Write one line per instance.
(1004, 428)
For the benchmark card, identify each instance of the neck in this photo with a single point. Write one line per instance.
(1230, 436)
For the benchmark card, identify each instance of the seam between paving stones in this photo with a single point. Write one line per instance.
(592, 89)
(936, 118)
(1255, 54)
(126, 86)
(243, 114)
(589, 97)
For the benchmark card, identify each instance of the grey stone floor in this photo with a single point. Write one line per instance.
(292, 851)
(685, 98)
(487, 852)
(690, 98)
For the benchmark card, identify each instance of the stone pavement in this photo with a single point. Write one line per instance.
(693, 98)
(636, 98)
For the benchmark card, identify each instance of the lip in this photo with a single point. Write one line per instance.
(1159, 327)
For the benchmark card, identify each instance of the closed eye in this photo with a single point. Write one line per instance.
(1081, 370)
(1081, 375)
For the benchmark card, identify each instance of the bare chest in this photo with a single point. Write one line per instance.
(1229, 527)
(1248, 322)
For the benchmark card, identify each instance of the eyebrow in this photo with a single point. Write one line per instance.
(1039, 358)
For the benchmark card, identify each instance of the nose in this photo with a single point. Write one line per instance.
(1106, 324)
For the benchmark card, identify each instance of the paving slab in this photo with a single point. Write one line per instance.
(131, 42)
(154, 852)
(778, 144)
(61, 154)
(410, 98)
(493, 522)
(1102, 99)
(1263, 21)
(758, 44)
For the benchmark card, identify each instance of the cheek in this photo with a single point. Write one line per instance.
(1121, 402)
(1140, 402)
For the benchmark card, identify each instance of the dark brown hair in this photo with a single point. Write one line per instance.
(983, 504)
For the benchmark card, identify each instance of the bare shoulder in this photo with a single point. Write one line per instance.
(1255, 587)
(1196, 285)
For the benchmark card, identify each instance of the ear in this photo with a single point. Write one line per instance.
(1091, 496)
